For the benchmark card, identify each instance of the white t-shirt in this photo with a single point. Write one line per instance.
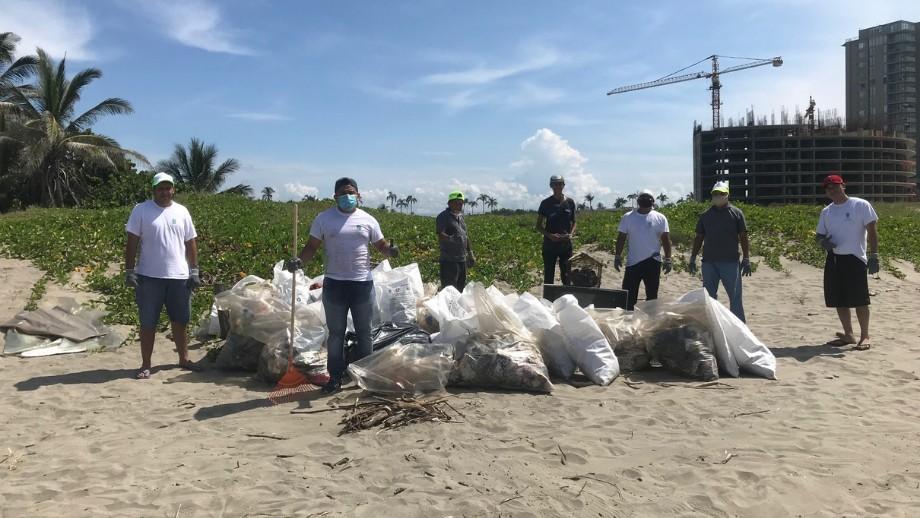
(346, 236)
(845, 224)
(644, 235)
(163, 232)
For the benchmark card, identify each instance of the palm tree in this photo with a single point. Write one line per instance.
(484, 200)
(401, 204)
(240, 189)
(492, 203)
(16, 71)
(600, 206)
(619, 202)
(194, 166)
(267, 194)
(590, 199)
(56, 149)
(309, 197)
(391, 197)
(472, 204)
(632, 198)
(411, 201)
(663, 198)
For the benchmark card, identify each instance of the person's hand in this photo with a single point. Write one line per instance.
(293, 264)
(470, 260)
(393, 250)
(617, 263)
(746, 267)
(825, 242)
(194, 279)
(873, 264)
(554, 237)
(692, 266)
(130, 278)
(666, 265)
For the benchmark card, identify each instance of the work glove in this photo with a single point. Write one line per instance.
(666, 265)
(692, 266)
(617, 263)
(470, 260)
(293, 264)
(394, 250)
(745, 267)
(194, 280)
(825, 242)
(130, 278)
(873, 264)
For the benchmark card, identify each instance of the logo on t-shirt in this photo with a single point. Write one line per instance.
(847, 215)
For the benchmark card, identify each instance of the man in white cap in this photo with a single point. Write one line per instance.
(167, 270)
(723, 228)
(647, 231)
(556, 221)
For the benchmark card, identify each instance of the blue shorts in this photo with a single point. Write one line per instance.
(153, 293)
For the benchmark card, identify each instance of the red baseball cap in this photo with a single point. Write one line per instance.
(832, 179)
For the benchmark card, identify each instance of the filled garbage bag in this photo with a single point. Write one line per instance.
(586, 344)
(385, 335)
(410, 368)
(239, 352)
(396, 292)
(623, 330)
(499, 361)
(542, 323)
(682, 345)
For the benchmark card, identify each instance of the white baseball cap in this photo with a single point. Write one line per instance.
(162, 177)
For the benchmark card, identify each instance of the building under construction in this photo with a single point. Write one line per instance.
(785, 163)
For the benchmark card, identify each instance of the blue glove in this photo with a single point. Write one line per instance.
(617, 263)
(194, 280)
(666, 265)
(745, 267)
(394, 250)
(873, 264)
(293, 264)
(130, 278)
(692, 266)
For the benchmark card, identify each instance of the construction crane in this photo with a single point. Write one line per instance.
(716, 85)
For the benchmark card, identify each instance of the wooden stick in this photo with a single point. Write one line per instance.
(293, 291)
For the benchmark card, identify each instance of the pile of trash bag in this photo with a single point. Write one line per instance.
(404, 368)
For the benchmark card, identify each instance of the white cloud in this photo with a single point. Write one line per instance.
(259, 116)
(197, 23)
(299, 190)
(539, 58)
(60, 28)
(545, 154)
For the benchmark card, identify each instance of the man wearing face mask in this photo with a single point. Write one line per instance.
(845, 227)
(454, 242)
(556, 221)
(647, 231)
(346, 231)
(723, 228)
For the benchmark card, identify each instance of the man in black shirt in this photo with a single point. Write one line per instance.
(456, 255)
(556, 221)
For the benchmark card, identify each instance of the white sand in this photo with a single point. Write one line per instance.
(836, 435)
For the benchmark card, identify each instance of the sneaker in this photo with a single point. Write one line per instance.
(334, 385)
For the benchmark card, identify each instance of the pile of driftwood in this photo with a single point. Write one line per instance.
(395, 413)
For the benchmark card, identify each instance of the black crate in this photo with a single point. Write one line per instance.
(601, 298)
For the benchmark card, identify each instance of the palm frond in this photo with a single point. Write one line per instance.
(70, 94)
(112, 106)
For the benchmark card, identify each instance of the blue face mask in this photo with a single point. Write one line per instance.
(347, 201)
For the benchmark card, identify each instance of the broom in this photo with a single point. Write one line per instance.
(293, 383)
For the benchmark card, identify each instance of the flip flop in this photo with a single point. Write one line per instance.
(193, 367)
(839, 342)
(143, 374)
(863, 346)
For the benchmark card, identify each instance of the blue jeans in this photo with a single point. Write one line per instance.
(152, 293)
(729, 272)
(338, 298)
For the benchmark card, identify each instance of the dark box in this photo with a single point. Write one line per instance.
(601, 298)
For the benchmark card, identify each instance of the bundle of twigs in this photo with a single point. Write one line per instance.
(395, 413)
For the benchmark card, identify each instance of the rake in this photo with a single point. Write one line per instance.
(293, 384)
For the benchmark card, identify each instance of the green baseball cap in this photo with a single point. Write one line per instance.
(456, 195)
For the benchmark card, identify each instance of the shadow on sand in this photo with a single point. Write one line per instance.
(806, 352)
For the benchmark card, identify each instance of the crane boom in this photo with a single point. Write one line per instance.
(715, 86)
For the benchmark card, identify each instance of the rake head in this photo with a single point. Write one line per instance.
(291, 387)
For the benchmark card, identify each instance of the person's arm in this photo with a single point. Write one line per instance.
(441, 228)
(697, 245)
(621, 240)
(131, 250)
(191, 253)
(745, 245)
(574, 222)
(309, 250)
(872, 237)
(541, 225)
(383, 247)
(666, 244)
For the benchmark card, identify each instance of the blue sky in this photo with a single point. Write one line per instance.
(424, 97)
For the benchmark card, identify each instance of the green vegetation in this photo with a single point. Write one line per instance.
(240, 236)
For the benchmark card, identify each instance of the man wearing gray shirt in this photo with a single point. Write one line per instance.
(456, 255)
(723, 228)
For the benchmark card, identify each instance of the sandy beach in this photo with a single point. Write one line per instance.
(836, 435)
